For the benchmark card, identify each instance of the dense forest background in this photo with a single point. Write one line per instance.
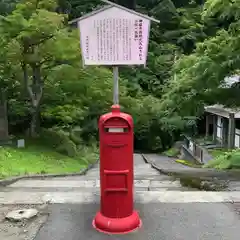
(195, 46)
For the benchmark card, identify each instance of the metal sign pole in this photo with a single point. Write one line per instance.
(115, 85)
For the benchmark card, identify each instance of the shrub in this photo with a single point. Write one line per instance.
(172, 152)
(91, 151)
(226, 160)
(60, 140)
(68, 148)
(52, 137)
(75, 135)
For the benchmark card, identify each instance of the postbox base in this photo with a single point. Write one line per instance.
(117, 225)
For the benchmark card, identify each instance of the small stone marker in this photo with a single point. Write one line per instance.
(21, 143)
(22, 214)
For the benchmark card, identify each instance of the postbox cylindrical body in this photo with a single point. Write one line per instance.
(116, 173)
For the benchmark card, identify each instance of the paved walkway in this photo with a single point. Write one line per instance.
(168, 211)
(149, 185)
(161, 221)
(167, 164)
(85, 189)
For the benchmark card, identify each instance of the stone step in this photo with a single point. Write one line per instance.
(139, 166)
(90, 189)
(137, 172)
(136, 177)
(37, 184)
(140, 197)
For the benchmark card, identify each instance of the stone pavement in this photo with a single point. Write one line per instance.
(83, 188)
(168, 165)
(165, 161)
(161, 221)
(150, 186)
(168, 210)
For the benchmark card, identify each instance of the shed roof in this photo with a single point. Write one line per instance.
(110, 5)
(223, 111)
(229, 81)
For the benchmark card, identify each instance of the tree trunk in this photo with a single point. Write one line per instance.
(36, 96)
(35, 93)
(35, 122)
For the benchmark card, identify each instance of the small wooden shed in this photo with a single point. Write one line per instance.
(225, 124)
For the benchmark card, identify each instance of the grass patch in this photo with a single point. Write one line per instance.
(172, 152)
(36, 159)
(224, 159)
(217, 151)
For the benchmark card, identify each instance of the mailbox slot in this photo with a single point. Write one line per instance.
(116, 129)
(116, 125)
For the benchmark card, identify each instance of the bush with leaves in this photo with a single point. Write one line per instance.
(72, 97)
(199, 75)
(227, 160)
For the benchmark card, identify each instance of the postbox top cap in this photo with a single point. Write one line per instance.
(116, 113)
(115, 108)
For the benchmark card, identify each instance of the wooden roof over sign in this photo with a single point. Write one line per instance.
(110, 5)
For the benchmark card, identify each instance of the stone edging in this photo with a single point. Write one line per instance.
(189, 179)
(200, 173)
(8, 181)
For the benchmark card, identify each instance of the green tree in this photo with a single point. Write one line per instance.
(199, 75)
(37, 42)
(6, 6)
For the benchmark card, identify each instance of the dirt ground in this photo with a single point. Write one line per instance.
(26, 230)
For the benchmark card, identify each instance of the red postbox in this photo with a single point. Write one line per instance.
(116, 174)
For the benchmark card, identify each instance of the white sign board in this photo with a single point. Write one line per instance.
(114, 37)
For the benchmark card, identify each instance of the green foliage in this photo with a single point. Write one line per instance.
(68, 148)
(217, 151)
(172, 152)
(190, 52)
(35, 41)
(223, 9)
(226, 160)
(199, 75)
(75, 136)
(69, 143)
(60, 141)
(6, 6)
